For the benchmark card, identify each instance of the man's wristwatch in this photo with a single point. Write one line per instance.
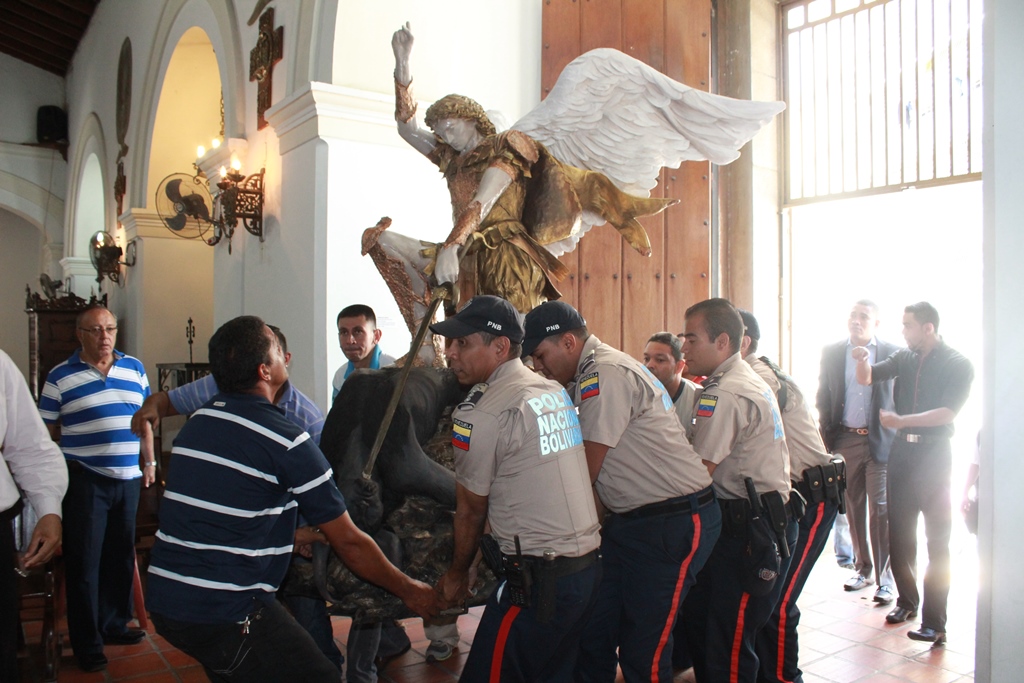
(151, 464)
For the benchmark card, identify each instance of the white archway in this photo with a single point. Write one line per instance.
(87, 208)
(219, 21)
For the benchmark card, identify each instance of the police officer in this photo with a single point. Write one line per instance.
(820, 482)
(520, 466)
(737, 430)
(662, 520)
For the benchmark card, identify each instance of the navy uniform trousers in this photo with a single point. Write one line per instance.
(650, 563)
(512, 646)
(776, 643)
(99, 555)
(721, 620)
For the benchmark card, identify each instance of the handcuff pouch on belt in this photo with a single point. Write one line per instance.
(825, 483)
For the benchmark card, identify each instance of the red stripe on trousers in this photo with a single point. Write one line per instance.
(737, 640)
(794, 571)
(499, 644)
(680, 582)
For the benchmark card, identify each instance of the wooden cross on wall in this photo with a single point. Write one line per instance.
(262, 58)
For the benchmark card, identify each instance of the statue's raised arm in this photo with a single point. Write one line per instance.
(405, 106)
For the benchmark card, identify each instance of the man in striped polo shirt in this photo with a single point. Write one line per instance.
(87, 404)
(240, 473)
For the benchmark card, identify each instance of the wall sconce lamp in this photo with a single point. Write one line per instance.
(106, 256)
(240, 197)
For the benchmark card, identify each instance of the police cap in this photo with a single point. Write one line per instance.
(551, 317)
(483, 313)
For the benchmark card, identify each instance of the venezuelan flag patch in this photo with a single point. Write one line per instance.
(589, 386)
(461, 432)
(706, 406)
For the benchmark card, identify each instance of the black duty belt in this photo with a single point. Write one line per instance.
(922, 438)
(859, 431)
(665, 507)
(556, 567)
(823, 483)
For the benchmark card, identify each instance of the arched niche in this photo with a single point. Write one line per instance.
(218, 20)
(188, 112)
(90, 207)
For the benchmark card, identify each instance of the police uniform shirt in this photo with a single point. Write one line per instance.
(517, 441)
(684, 400)
(623, 406)
(803, 439)
(737, 426)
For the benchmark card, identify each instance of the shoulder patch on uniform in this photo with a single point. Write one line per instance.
(588, 363)
(590, 386)
(461, 433)
(474, 396)
(706, 405)
(712, 381)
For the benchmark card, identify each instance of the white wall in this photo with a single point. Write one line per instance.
(25, 88)
(485, 49)
(21, 240)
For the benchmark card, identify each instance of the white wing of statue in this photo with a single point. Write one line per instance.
(611, 113)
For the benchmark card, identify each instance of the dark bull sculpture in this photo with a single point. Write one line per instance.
(407, 506)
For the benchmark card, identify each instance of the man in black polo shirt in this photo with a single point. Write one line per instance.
(932, 384)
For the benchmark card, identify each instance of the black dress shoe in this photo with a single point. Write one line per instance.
(900, 614)
(928, 635)
(94, 661)
(131, 636)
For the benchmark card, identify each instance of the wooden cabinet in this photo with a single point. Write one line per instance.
(51, 333)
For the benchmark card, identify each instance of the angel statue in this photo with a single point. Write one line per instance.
(589, 153)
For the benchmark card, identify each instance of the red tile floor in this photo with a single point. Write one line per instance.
(844, 639)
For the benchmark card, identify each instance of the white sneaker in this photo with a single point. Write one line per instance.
(438, 651)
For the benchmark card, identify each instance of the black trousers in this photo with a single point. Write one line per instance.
(275, 648)
(8, 603)
(919, 475)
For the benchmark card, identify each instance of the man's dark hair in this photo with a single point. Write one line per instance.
(869, 304)
(515, 350)
(280, 337)
(237, 349)
(669, 340)
(923, 313)
(356, 310)
(719, 316)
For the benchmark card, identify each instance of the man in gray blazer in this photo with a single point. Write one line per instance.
(849, 423)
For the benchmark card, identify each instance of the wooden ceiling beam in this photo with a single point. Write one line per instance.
(37, 33)
(68, 16)
(25, 17)
(15, 38)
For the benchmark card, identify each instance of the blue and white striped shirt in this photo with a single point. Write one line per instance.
(240, 472)
(95, 412)
(297, 407)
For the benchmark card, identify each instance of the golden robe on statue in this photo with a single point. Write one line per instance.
(505, 255)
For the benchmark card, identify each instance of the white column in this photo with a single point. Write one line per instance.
(1001, 601)
(342, 167)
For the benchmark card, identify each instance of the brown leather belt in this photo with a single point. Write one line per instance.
(862, 431)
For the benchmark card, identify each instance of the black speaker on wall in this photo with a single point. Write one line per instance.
(51, 124)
